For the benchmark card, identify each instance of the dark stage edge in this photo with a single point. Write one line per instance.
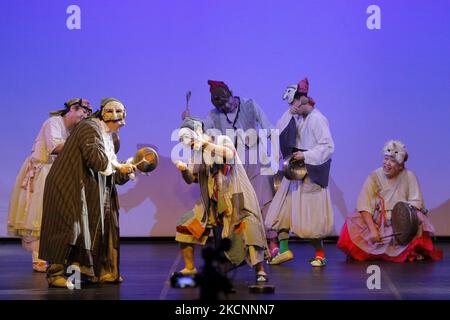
(146, 268)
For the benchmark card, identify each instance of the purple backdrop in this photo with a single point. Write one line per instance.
(373, 85)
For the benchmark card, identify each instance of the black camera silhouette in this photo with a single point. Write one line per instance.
(211, 280)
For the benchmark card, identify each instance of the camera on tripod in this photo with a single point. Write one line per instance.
(211, 280)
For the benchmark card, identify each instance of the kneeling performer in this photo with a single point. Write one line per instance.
(377, 230)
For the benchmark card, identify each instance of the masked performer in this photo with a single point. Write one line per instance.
(237, 117)
(303, 206)
(25, 207)
(363, 235)
(228, 201)
(80, 223)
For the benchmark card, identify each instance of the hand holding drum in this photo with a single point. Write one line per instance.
(405, 223)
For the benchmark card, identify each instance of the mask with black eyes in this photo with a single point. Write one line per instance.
(289, 93)
(113, 110)
(396, 150)
(220, 98)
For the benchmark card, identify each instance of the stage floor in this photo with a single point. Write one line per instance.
(146, 268)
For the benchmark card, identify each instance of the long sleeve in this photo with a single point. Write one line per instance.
(108, 144)
(262, 119)
(415, 196)
(324, 146)
(208, 122)
(121, 178)
(188, 176)
(92, 147)
(53, 134)
(368, 196)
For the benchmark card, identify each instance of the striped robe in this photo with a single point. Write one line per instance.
(80, 215)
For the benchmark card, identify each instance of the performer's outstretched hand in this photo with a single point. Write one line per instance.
(181, 166)
(126, 168)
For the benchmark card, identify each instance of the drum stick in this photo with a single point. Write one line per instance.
(188, 97)
(392, 235)
(143, 160)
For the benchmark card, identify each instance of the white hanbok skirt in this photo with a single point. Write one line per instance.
(303, 208)
(26, 202)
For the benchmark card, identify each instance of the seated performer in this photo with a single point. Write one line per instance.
(363, 236)
(303, 206)
(25, 207)
(228, 201)
(80, 221)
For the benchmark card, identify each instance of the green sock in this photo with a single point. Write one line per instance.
(284, 245)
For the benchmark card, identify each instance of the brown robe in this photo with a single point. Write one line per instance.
(80, 221)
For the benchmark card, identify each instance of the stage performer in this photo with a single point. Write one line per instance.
(303, 206)
(25, 207)
(237, 117)
(363, 236)
(228, 202)
(80, 222)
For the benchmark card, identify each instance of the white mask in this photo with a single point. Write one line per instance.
(187, 136)
(395, 149)
(114, 111)
(289, 93)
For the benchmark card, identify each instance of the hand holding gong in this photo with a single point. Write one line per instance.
(127, 168)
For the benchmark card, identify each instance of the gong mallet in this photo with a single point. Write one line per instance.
(391, 235)
(186, 112)
(188, 97)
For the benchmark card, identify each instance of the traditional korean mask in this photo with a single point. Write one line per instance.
(289, 93)
(396, 150)
(220, 98)
(191, 138)
(114, 111)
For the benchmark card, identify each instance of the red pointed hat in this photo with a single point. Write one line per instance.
(217, 84)
(303, 86)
